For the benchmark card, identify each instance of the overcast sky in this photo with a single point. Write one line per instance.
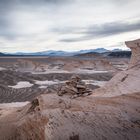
(69, 25)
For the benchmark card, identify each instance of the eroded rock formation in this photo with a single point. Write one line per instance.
(135, 48)
(128, 81)
(51, 117)
(29, 66)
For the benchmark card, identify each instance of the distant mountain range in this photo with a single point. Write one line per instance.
(2, 54)
(60, 53)
(5, 54)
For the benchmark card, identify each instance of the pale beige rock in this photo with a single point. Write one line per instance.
(135, 48)
(125, 82)
(51, 117)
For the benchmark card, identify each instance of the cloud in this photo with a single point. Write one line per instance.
(72, 40)
(108, 29)
(104, 30)
(42, 24)
(34, 2)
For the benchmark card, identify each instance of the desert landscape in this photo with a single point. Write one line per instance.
(25, 77)
(31, 107)
(69, 70)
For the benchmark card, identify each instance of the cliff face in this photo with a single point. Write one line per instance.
(135, 48)
(112, 112)
(125, 82)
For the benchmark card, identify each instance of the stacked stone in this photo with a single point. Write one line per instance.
(75, 87)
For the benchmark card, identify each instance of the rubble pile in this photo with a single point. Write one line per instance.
(75, 87)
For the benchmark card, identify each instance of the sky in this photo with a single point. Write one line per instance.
(68, 25)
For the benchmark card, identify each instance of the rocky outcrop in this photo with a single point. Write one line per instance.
(125, 82)
(29, 66)
(135, 48)
(51, 117)
(75, 87)
(25, 65)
